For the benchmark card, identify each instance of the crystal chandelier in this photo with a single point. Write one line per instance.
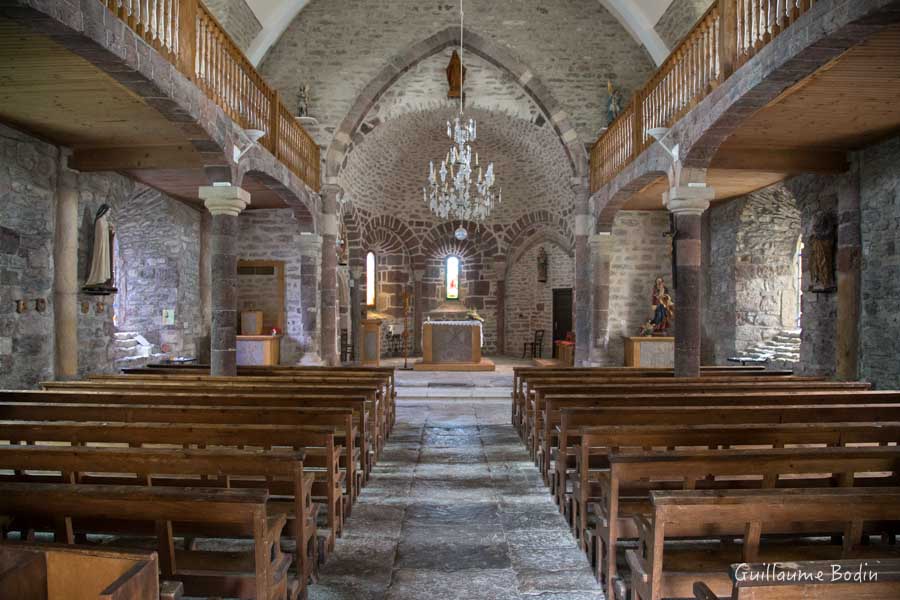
(459, 189)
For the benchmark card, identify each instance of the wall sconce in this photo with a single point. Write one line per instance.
(21, 306)
(40, 305)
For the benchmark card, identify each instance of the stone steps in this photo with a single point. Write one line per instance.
(781, 349)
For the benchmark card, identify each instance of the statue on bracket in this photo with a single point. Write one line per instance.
(822, 244)
(663, 309)
(456, 76)
(613, 103)
(542, 264)
(343, 246)
(303, 100)
(100, 279)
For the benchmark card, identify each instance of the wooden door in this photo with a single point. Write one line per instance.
(562, 315)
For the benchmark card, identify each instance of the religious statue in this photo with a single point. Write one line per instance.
(542, 261)
(822, 244)
(647, 329)
(100, 279)
(303, 100)
(663, 307)
(613, 102)
(343, 246)
(456, 76)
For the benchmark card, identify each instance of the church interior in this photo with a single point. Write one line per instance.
(500, 299)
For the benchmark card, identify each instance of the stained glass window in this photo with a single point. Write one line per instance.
(452, 278)
(370, 279)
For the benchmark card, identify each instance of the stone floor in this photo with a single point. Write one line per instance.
(455, 510)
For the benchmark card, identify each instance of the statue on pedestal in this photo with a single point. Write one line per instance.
(822, 244)
(100, 279)
(663, 308)
(542, 263)
(456, 76)
(303, 100)
(613, 103)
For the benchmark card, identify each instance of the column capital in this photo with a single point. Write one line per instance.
(224, 199)
(356, 272)
(688, 200)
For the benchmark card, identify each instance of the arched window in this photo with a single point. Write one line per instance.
(798, 274)
(370, 279)
(452, 278)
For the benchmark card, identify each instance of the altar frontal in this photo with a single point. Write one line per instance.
(453, 346)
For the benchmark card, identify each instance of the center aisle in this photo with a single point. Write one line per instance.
(455, 510)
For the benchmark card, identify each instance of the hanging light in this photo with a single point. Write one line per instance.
(459, 189)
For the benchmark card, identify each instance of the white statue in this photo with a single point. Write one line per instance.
(101, 259)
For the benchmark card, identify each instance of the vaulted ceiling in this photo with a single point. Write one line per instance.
(638, 17)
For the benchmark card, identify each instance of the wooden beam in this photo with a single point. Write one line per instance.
(127, 159)
(781, 161)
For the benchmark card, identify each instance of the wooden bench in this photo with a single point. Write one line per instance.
(318, 442)
(626, 486)
(281, 473)
(596, 443)
(873, 579)
(699, 409)
(761, 518)
(264, 576)
(59, 572)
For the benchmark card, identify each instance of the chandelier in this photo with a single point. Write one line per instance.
(459, 188)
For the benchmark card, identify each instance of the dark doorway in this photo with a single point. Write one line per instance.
(562, 315)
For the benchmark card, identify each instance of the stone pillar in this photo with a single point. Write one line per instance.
(329, 274)
(224, 203)
(356, 274)
(583, 228)
(500, 281)
(203, 342)
(688, 205)
(418, 308)
(65, 273)
(310, 247)
(601, 258)
(849, 263)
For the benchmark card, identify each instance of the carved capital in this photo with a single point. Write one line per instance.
(688, 200)
(224, 199)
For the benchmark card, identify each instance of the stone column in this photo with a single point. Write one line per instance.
(329, 229)
(356, 274)
(601, 254)
(310, 247)
(225, 203)
(500, 281)
(65, 273)
(205, 288)
(688, 205)
(849, 262)
(583, 228)
(418, 308)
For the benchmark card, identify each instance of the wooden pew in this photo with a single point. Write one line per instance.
(281, 473)
(873, 579)
(264, 577)
(224, 396)
(178, 425)
(557, 440)
(59, 572)
(596, 444)
(759, 517)
(626, 487)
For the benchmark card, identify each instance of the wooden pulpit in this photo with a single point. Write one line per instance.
(370, 344)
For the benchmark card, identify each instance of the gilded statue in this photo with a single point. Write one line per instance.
(663, 307)
(456, 76)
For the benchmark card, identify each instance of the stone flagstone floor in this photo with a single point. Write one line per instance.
(455, 510)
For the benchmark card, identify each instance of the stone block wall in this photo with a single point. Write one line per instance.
(27, 222)
(237, 18)
(529, 303)
(641, 253)
(879, 174)
(260, 292)
(718, 323)
(275, 234)
(680, 18)
(158, 268)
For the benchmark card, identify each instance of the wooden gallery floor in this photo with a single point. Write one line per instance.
(455, 510)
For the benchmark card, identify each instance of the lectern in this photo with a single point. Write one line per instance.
(370, 344)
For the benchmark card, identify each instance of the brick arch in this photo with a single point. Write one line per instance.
(480, 46)
(304, 204)
(526, 243)
(387, 229)
(529, 225)
(439, 243)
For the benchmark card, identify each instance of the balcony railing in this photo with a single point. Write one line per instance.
(188, 35)
(728, 35)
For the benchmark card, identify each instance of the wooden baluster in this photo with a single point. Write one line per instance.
(187, 36)
(274, 121)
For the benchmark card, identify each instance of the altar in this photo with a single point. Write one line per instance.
(453, 345)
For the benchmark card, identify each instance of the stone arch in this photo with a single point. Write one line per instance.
(440, 242)
(383, 225)
(480, 46)
(527, 226)
(305, 205)
(524, 244)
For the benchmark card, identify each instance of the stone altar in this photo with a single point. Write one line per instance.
(452, 345)
(650, 351)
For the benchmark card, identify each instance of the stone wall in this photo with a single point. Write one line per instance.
(336, 47)
(275, 234)
(750, 272)
(158, 268)
(879, 172)
(27, 221)
(237, 18)
(680, 18)
(260, 293)
(529, 303)
(641, 253)
(815, 194)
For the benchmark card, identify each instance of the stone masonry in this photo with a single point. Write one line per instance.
(237, 18)
(680, 18)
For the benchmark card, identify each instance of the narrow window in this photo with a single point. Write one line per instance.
(452, 278)
(798, 273)
(370, 279)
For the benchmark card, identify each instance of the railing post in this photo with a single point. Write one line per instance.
(274, 122)
(187, 39)
(727, 38)
(638, 120)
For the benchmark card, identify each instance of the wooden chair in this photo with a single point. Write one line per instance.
(536, 345)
